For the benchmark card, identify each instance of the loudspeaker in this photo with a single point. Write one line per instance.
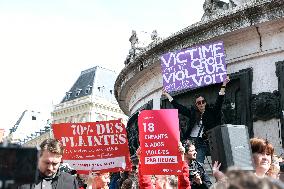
(229, 144)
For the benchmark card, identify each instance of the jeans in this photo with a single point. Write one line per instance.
(202, 149)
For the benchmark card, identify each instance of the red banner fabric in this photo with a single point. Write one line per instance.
(159, 137)
(98, 146)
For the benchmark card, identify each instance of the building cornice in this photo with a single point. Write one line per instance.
(84, 103)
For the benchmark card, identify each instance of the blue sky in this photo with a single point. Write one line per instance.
(44, 45)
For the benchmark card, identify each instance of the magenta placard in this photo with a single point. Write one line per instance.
(159, 137)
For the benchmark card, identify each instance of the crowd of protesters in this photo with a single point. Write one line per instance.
(192, 150)
(194, 175)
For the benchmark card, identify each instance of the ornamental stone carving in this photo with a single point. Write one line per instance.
(266, 106)
(132, 52)
(213, 8)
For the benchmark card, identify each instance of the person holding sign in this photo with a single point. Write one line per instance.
(202, 118)
(146, 181)
(161, 181)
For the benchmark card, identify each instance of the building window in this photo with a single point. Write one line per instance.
(88, 88)
(101, 89)
(99, 117)
(68, 95)
(83, 119)
(104, 117)
(78, 91)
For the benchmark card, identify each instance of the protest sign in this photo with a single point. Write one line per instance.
(159, 137)
(194, 67)
(98, 146)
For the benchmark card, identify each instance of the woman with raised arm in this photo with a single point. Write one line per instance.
(202, 118)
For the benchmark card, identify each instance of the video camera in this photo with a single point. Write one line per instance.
(193, 173)
(18, 166)
(281, 164)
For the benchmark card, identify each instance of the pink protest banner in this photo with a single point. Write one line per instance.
(98, 146)
(159, 137)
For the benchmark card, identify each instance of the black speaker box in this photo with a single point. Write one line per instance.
(229, 144)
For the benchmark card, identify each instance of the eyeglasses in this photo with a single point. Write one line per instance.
(201, 102)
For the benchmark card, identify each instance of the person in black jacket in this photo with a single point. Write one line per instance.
(198, 176)
(201, 119)
(50, 177)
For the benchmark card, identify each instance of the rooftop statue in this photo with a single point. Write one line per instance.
(133, 39)
(132, 51)
(138, 46)
(240, 2)
(213, 7)
(154, 35)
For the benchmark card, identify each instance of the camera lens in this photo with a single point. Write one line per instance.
(281, 164)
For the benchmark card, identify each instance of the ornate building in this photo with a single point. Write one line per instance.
(90, 99)
(253, 36)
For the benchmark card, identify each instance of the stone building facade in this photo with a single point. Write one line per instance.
(90, 99)
(253, 37)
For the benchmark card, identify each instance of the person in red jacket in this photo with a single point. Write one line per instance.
(161, 181)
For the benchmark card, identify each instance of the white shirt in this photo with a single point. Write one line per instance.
(195, 130)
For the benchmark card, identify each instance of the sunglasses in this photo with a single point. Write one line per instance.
(200, 102)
